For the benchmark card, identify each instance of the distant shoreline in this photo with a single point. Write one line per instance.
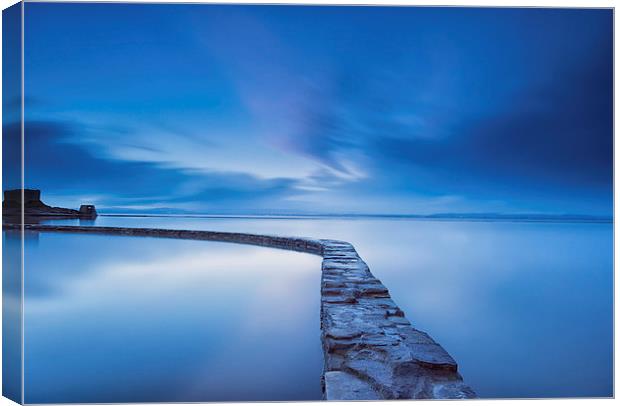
(467, 218)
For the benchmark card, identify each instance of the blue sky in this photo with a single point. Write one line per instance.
(220, 109)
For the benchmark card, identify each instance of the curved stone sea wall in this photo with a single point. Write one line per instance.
(371, 350)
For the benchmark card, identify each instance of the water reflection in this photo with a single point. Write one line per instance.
(525, 308)
(120, 319)
(11, 315)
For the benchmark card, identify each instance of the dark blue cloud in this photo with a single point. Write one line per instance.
(558, 133)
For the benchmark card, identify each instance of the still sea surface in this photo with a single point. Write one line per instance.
(524, 307)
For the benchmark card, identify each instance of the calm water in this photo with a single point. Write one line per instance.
(121, 319)
(525, 308)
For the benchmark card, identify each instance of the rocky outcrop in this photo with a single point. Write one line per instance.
(34, 207)
(371, 351)
(13, 198)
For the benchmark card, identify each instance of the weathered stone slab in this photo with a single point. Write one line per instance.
(370, 345)
(343, 386)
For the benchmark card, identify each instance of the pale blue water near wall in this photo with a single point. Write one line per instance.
(142, 319)
(525, 308)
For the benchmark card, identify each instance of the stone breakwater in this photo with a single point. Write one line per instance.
(371, 351)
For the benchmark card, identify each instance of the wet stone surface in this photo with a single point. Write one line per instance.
(371, 350)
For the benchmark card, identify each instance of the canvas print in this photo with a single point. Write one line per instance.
(213, 203)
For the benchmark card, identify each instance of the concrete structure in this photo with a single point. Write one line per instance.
(88, 211)
(371, 351)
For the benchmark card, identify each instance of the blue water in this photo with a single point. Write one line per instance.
(11, 316)
(121, 319)
(524, 308)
